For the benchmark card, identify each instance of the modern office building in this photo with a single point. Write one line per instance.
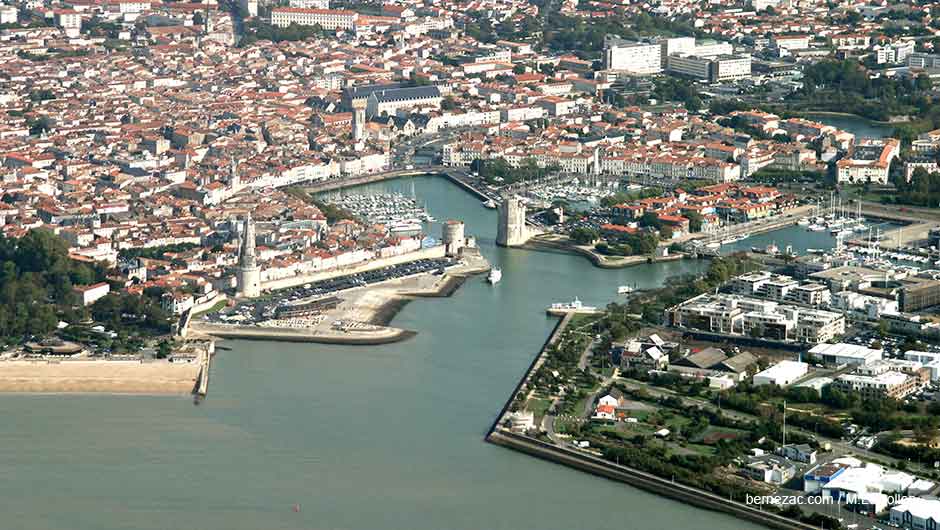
(731, 314)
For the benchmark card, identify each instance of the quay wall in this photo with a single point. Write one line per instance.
(533, 366)
(466, 187)
(431, 171)
(342, 183)
(224, 331)
(437, 251)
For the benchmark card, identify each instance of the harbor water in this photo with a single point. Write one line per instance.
(300, 436)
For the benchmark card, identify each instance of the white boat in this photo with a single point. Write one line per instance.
(816, 228)
(735, 239)
(713, 245)
(494, 276)
(490, 203)
(576, 305)
(624, 289)
(405, 227)
(803, 222)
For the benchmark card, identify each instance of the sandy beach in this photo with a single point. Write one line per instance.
(117, 377)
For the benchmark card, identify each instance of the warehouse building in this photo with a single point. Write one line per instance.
(782, 374)
(845, 354)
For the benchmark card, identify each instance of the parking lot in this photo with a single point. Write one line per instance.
(265, 308)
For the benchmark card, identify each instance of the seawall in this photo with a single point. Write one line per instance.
(548, 245)
(645, 481)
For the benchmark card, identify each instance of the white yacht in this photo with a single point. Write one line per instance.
(624, 289)
(494, 276)
(490, 203)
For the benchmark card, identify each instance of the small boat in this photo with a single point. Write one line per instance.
(713, 245)
(489, 203)
(803, 222)
(624, 289)
(494, 276)
(816, 228)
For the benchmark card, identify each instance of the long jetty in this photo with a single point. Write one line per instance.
(205, 362)
(583, 461)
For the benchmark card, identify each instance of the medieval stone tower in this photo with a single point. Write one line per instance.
(248, 275)
(511, 230)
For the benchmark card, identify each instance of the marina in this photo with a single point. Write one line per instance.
(402, 214)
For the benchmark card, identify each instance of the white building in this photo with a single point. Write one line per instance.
(782, 374)
(328, 19)
(69, 20)
(8, 14)
(870, 161)
(250, 7)
(916, 513)
(894, 53)
(90, 293)
(790, 42)
(730, 68)
(634, 57)
(713, 69)
(860, 479)
(929, 360)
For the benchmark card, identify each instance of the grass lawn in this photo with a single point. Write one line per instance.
(217, 307)
(538, 407)
(701, 449)
(712, 434)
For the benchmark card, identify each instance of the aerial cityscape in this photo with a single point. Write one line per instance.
(521, 264)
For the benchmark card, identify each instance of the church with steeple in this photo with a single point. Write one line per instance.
(248, 274)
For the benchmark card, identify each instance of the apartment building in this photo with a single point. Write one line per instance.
(870, 161)
(740, 315)
(889, 384)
